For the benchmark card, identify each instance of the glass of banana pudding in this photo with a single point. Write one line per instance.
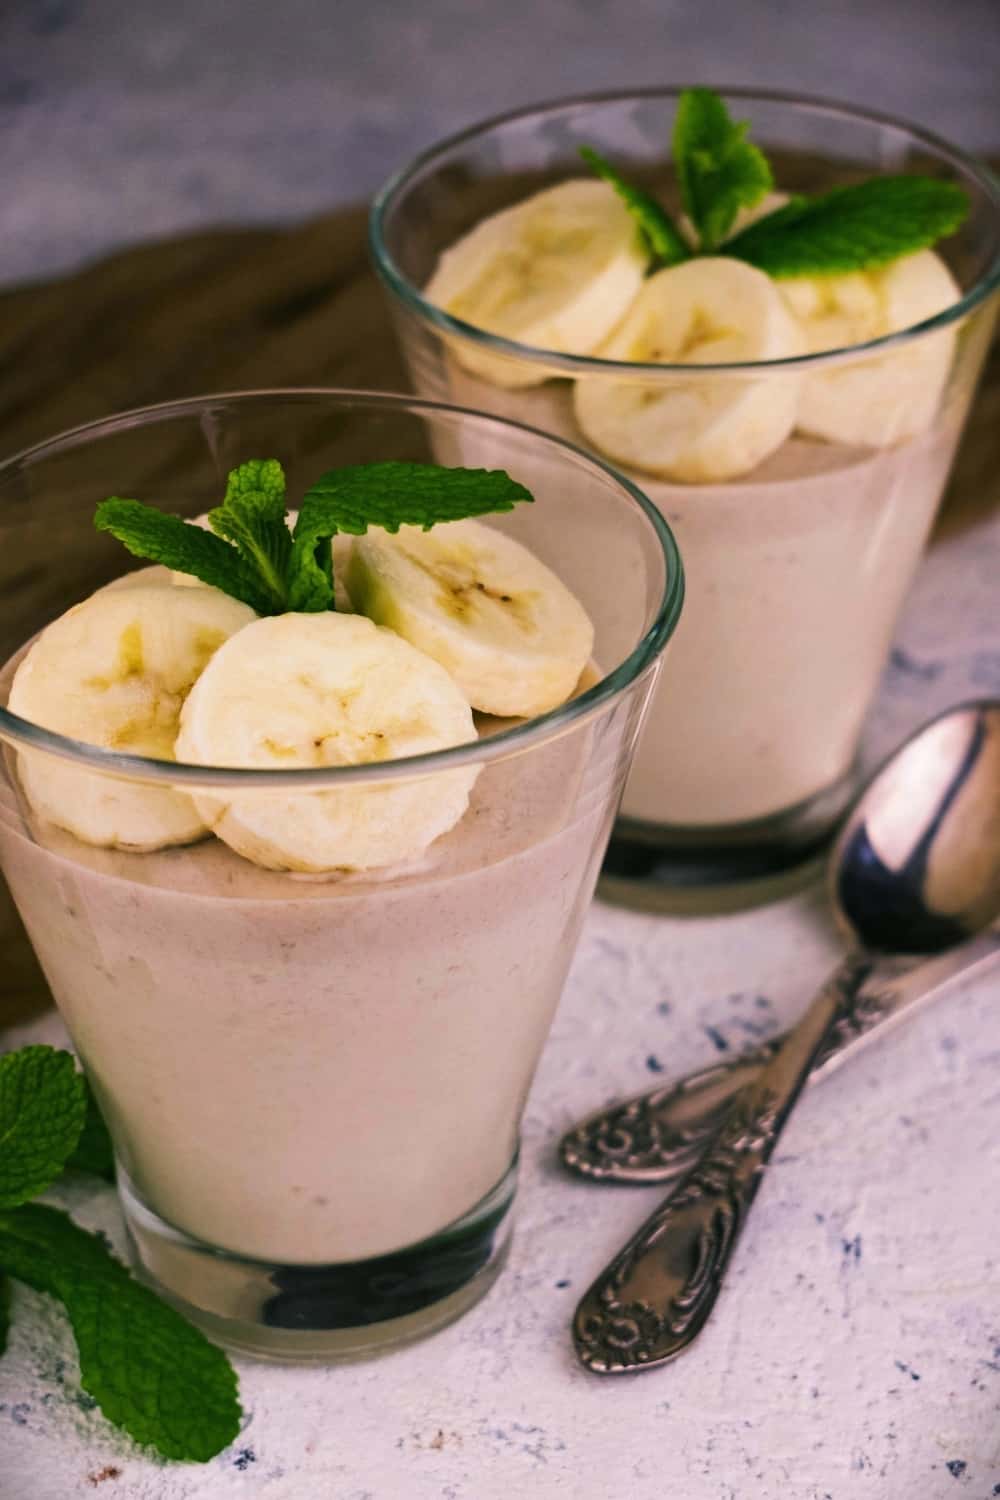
(775, 328)
(303, 830)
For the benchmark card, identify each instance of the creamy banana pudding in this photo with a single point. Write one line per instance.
(308, 1071)
(310, 963)
(796, 573)
(786, 378)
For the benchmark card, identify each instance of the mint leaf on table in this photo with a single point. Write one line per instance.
(852, 228)
(387, 495)
(252, 517)
(664, 239)
(718, 170)
(42, 1109)
(160, 538)
(93, 1152)
(150, 1372)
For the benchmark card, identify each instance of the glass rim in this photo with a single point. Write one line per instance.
(577, 365)
(542, 728)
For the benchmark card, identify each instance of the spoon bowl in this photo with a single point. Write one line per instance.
(916, 867)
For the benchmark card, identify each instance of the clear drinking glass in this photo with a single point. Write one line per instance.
(315, 1086)
(797, 569)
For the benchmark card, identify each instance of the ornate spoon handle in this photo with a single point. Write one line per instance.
(655, 1296)
(658, 1136)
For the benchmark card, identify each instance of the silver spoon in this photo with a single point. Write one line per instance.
(915, 871)
(658, 1135)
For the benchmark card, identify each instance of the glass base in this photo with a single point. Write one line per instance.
(722, 867)
(324, 1313)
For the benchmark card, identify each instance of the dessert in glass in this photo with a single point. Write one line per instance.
(796, 430)
(305, 883)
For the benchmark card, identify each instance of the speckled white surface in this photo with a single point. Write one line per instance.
(855, 1352)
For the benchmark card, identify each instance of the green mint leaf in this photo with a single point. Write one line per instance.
(252, 517)
(150, 1372)
(94, 1153)
(42, 1108)
(853, 228)
(259, 477)
(392, 495)
(719, 171)
(659, 232)
(310, 572)
(388, 495)
(160, 538)
(4, 1311)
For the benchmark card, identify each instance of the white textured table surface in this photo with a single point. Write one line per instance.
(856, 1349)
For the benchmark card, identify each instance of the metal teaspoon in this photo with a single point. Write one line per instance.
(658, 1135)
(915, 871)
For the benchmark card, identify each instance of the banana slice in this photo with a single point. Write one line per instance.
(556, 272)
(327, 690)
(114, 671)
(340, 547)
(141, 578)
(706, 311)
(496, 618)
(883, 398)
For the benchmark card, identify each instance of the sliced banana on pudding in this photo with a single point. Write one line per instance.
(141, 578)
(327, 690)
(556, 271)
(878, 399)
(114, 671)
(490, 612)
(711, 310)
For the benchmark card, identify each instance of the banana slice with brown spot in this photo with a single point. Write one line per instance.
(505, 627)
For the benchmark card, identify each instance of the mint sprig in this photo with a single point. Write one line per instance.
(152, 1374)
(663, 239)
(852, 228)
(250, 552)
(720, 172)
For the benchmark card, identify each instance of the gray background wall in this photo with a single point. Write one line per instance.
(126, 119)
